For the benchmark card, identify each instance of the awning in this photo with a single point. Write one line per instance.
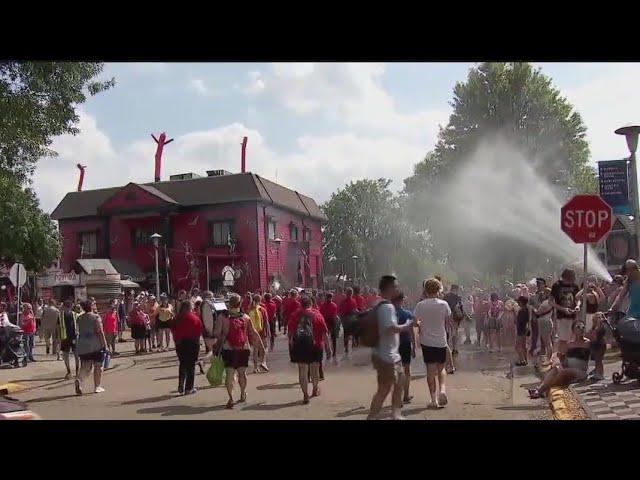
(128, 284)
(91, 264)
(128, 269)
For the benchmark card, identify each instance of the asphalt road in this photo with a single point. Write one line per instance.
(144, 387)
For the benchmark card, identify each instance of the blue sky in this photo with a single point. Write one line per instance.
(314, 126)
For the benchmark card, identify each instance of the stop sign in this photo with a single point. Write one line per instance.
(586, 218)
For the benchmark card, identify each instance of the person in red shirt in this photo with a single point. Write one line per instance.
(360, 301)
(339, 296)
(186, 329)
(329, 310)
(289, 306)
(308, 354)
(28, 326)
(348, 310)
(278, 301)
(270, 306)
(246, 302)
(110, 326)
(480, 312)
(137, 321)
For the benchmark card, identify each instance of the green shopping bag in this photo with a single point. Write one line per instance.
(216, 372)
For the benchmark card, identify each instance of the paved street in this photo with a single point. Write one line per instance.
(606, 401)
(144, 387)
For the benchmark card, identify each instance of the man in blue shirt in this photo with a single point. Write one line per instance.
(407, 346)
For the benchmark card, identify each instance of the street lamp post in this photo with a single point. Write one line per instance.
(156, 241)
(631, 133)
(355, 268)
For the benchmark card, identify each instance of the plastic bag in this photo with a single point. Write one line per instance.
(216, 372)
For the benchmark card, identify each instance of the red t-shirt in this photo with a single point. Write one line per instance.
(137, 317)
(317, 324)
(348, 307)
(188, 326)
(271, 309)
(289, 305)
(278, 301)
(481, 307)
(329, 310)
(110, 322)
(28, 323)
(360, 302)
(339, 298)
(245, 305)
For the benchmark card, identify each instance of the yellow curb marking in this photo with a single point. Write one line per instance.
(558, 405)
(12, 387)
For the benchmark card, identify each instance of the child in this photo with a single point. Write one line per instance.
(522, 331)
(110, 326)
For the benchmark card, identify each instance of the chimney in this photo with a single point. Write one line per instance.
(243, 165)
(81, 180)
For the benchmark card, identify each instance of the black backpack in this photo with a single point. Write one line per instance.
(303, 336)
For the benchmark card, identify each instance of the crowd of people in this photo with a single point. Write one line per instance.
(541, 322)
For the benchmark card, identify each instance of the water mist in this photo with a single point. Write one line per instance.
(498, 193)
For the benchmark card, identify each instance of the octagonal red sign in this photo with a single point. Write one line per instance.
(586, 218)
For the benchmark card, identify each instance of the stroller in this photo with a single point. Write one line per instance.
(626, 332)
(12, 347)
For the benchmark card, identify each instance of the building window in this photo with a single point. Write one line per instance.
(272, 230)
(306, 235)
(142, 236)
(221, 233)
(293, 233)
(88, 243)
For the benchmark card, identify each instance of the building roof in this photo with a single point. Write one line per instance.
(196, 192)
(91, 264)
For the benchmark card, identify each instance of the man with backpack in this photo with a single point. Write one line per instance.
(308, 336)
(385, 355)
(235, 332)
(455, 304)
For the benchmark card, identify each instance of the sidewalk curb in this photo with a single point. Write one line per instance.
(11, 387)
(583, 404)
(558, 405)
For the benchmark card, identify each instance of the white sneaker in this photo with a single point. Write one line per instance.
(99, 390)
(433, 405)
(399, 417)
(442, 399)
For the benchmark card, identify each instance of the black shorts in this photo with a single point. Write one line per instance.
(405, 353)
(306, 356)
(432, 355)
(236, 358)
(162, 326)
(68, 344)
(138, 332)
(349, 325)
(96, 357)
(333, 325)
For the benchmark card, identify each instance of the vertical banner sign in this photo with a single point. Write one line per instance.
(613, 177)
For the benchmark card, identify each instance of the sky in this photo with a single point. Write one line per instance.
(311, 127)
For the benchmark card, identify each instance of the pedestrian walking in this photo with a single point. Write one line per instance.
(164, 315)
(122, 317)
(385, 356)
(271, 308)
(523, 330)
(50, 316)
(91, 347)
(289, 305)
(235, 331)
(258, 316)
(39, 309)
(28, 326)
(543, 315)
(186, 329)
(110, 325)
(308, 336)
(348, 310)
(407, 348)
(481, 310)
(329, 310)
(433, 315)
(68, 336)
(494, 322)
(137, 320)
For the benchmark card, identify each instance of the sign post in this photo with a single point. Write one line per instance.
(585, 219)
(18, 277)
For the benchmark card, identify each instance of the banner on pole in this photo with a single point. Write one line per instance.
(613, 177)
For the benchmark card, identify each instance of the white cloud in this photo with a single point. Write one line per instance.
(255, 84)
(347, 94)
(606, 102)
(202, 88)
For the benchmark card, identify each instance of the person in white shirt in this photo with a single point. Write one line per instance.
(433, 315)
(385, 356)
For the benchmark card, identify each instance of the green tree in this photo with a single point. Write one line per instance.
(38, 102)
(366, 219)
(27, 234)
(520, 103)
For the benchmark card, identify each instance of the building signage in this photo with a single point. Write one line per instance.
(613, 177)
(70, 278)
